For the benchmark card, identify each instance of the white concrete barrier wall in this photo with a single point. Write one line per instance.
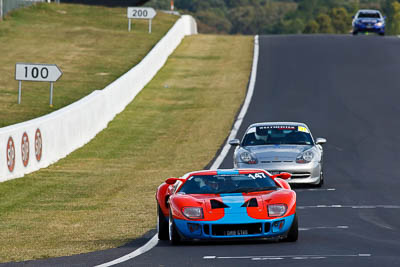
(31, 145)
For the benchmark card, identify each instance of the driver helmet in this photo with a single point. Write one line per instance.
(213, 183)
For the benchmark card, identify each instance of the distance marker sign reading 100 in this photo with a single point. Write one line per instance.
(140, 13)
(36, 73)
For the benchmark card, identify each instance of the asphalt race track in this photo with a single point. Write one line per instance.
(347, 89)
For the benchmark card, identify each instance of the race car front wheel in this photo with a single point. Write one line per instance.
(293, 232)
(321, 180)
(162, 224)
(174, 237)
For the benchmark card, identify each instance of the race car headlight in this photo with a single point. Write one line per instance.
(379, 24)
(305, 157)
(193, 212)
(248, 157)
(276, 210)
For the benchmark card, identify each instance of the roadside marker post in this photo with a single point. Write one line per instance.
(37, 72)
(140, 13)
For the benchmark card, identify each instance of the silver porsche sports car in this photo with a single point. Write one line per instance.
(281, 147)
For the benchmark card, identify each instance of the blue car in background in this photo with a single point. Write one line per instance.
(368, 20)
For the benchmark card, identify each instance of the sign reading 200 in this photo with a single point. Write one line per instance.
(141, 13)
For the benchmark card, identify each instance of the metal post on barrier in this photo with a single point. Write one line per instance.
(129, 25)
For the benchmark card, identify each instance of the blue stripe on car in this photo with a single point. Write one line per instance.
(227, 172)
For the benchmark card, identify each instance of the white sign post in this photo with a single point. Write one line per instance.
(140, 13)
(36, 73)
(1, 9)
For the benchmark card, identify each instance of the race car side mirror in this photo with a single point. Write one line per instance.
(320, 141)
(283, 175)
(234, 142)
(352, 17)
(171, 180)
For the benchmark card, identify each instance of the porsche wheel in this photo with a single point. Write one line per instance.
(321, 180)
(162, 224)
(174, 237)
(293, 232)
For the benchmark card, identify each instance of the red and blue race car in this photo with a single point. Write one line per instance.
(227, 204)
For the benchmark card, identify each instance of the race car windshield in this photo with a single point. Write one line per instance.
(277, 135)
(223, 184)
(369, 15)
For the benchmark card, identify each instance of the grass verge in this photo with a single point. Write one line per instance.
(91, 45)
(102, 195)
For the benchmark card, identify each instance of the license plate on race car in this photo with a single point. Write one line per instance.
(369, 26)
(237, 232)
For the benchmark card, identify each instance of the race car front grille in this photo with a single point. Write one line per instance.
(206, 229)
(276, 161)
(300, 175)
(236, 229)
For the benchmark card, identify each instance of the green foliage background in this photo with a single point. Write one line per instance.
(280, 16)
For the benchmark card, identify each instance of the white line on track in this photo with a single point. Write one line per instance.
(323, 227)
(243, 111)
(283, 257)
(314, 189)
(154, 240)
(149, 245)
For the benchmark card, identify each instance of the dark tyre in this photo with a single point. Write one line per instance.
(162, 224)
(355, 32)
(321, 180)
(293, 233)
(174, 237)
(382, 34)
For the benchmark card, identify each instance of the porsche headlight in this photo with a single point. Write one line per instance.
(248, 157)
(276, 210)
(305, 157)
(193, 212)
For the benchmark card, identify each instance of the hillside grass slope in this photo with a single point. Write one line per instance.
(103, 195)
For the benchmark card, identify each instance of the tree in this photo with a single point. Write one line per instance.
(395, 19)
(341, 21)
(212, 22)
(311, 27)
(325, 23)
